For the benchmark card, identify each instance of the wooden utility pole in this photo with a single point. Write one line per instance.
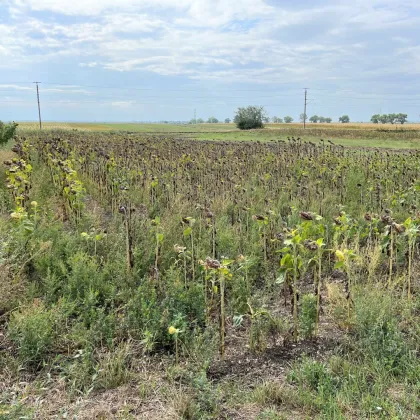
(304, 108)
(39, 105)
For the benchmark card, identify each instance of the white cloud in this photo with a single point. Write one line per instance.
(245, 40)
(198, 9)
(15, 87)
(122, 104)
(92, 64)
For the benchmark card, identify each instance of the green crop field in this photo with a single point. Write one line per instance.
(162, 271)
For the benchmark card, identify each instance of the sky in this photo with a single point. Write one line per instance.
(153, 60)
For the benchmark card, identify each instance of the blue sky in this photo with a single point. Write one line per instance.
(151, 60)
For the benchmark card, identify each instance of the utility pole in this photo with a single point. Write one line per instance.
(304, 108)
(39, 105)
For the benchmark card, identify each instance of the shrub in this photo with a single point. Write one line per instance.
(33, 329)
(250, 117)
(376, 331)
(7, 132)
(143, 314)
(314, 376)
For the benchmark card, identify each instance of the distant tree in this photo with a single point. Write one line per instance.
(401, 118)
(392, 118)
(344, 119)
(200, 121)
(212, 120)
(266, 119)
(277, 120)
(288, 120)
(389, 118)
(375, 118)
(328, 120)
(7, 132)
(314, 119)
(227, 120)
(303, 117)
(250, 117)
(383, 118)
(322, 119)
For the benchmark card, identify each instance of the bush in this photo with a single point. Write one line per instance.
(376, 331)
(250, 117)
(314, 376)
(143, 315)
(7, 131)
(33, 330)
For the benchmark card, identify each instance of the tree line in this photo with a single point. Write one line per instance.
(250, 117)
(389, 118)
(265, 119)
(255, 117)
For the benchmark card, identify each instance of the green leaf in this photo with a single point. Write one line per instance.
(285, 249)
(281, 277)
(339, 264)
(159, 237)
(296, 239)
(286, 260)
(187, 231)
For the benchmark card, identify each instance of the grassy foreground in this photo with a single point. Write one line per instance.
(149, 276)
